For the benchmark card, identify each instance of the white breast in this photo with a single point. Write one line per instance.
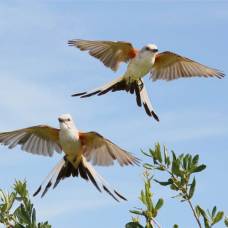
(140, 66)
(70, 142)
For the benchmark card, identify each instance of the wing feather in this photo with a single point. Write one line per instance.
(169, 66)
(109, 52)
(101, 151)
(41, 139)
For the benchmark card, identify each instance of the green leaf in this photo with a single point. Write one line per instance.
(11, 200)
(133, 225)
(189, 166)
(166, 157)
(197, 211)
(146, 154)
(164, 183)
(158, 152)
(44, 225)
(226, 221)
(174, 155)
(185, 161)
(148, 166)
(143, 197)
(195, 159)
(204, 215)
(176, 168)
(218, 217)
(198, 168)
(148, 195)
(136, 212)
(175, 226)
(214, 211)
(33, 216)
(201, 211)
(159, 204)
(192, 189)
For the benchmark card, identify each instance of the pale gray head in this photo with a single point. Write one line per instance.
(150, 48)
(66, 122)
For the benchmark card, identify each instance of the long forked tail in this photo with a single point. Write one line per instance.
(121, 83)
(85, 170)
(114, 85)
(146, 102)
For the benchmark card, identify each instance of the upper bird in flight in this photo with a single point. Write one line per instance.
(164, 65)
(80, 148)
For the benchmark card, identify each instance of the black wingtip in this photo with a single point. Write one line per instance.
(71, 42)
(37, 191)
(221, 75)
(137, 161)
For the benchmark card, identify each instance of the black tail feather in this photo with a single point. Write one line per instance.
(110, 193)
(37, 191)
(132, 87)
(46, 188)
(118, 194)
(91, 94)
(78, 94)
(155, 116)
(84, 172)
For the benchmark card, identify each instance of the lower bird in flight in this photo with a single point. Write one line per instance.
(164, 65)
(79, 148)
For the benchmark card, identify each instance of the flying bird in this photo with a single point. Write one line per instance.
(164, 65)
(80, 148)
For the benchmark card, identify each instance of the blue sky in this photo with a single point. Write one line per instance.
(38, 72)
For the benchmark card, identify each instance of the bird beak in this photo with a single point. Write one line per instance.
(60, 120)
(155, 50)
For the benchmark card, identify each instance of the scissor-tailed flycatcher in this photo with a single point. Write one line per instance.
(164, 65)
(80, 148)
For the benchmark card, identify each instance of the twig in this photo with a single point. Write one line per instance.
(197, 219)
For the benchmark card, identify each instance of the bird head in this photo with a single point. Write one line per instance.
(66, 122)
(150, 49)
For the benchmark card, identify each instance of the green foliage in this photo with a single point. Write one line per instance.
(133, 225)
(150, 210)
(180, 171)
(209, 218)
(226, 221)
(24, 216)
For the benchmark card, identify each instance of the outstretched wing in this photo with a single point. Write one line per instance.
(109, 52)
(101, 151)
(169, 66)
(41, 139)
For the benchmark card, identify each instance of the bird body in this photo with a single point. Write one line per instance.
(70, 141)
(79, 148)
(140, 65)
(164, 65)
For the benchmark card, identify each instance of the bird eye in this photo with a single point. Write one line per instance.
(155, 50)
(147, 49)
(68, 119)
